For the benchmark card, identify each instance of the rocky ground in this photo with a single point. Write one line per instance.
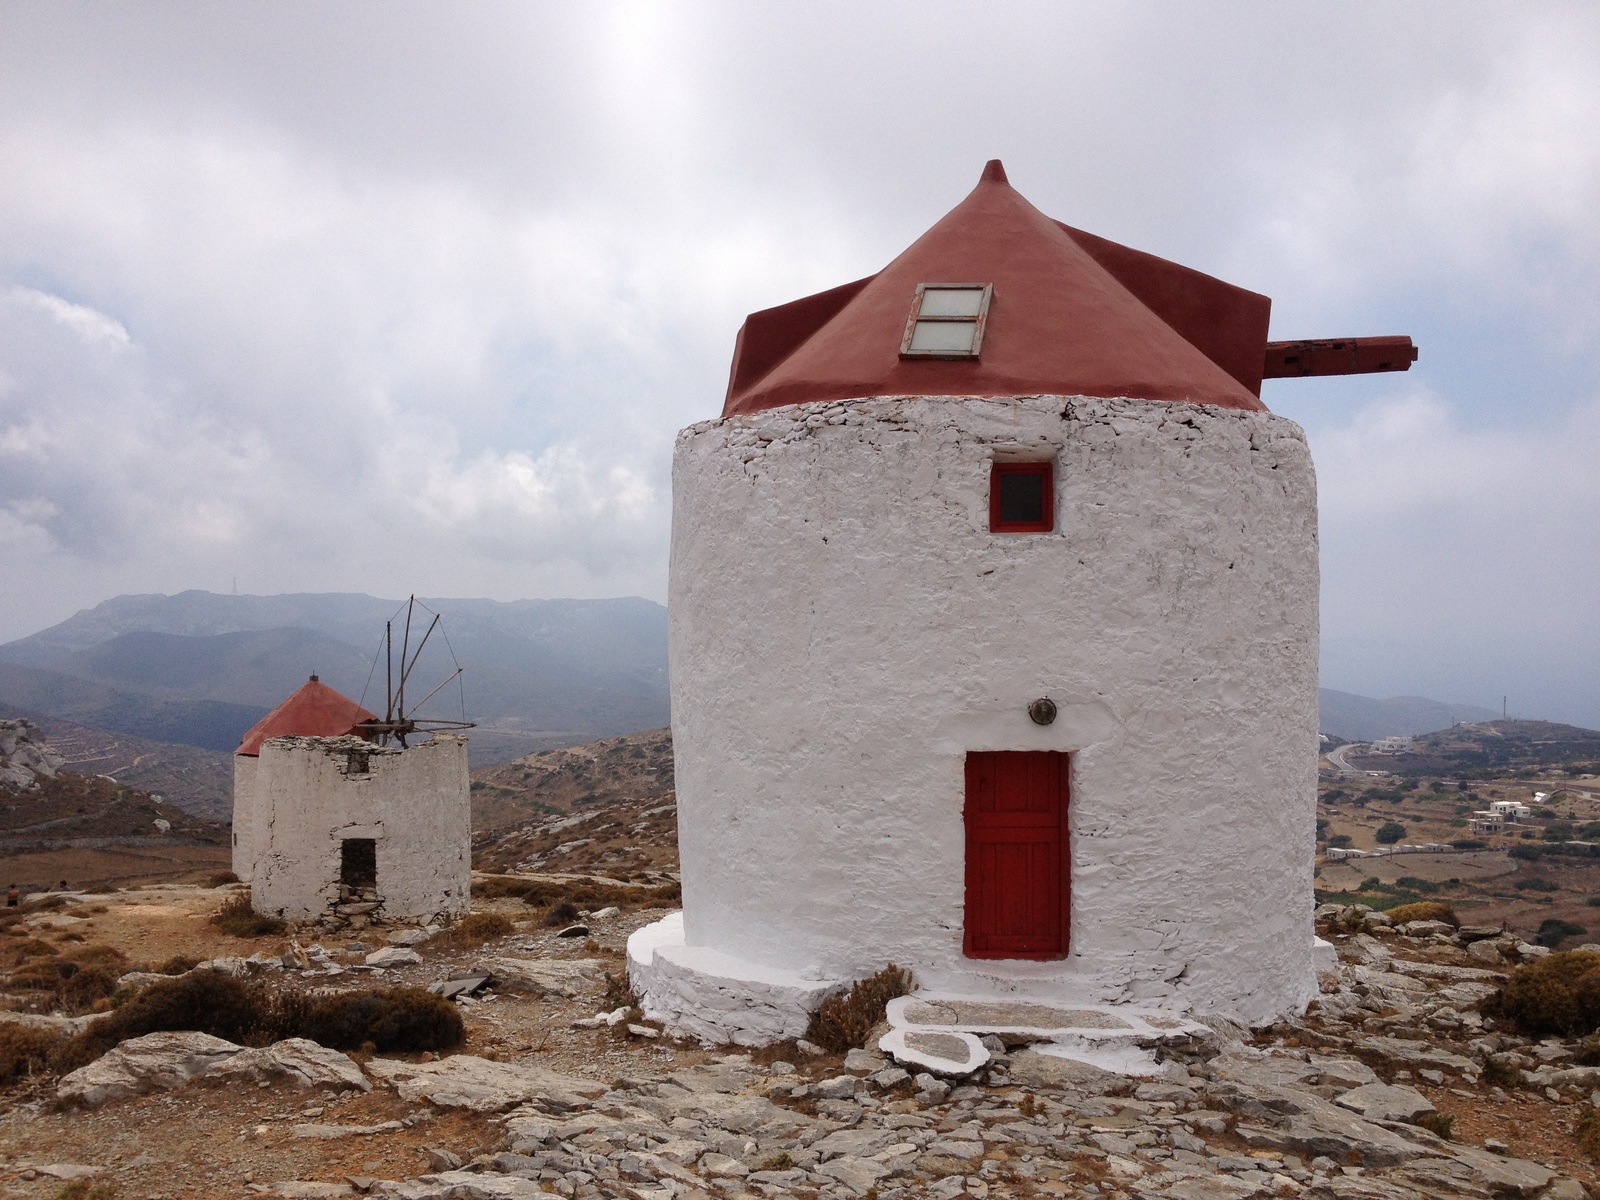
(1394, 1085)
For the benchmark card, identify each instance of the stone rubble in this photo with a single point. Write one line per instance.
(1225, 1120)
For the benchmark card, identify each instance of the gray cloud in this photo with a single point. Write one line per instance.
(415, 296)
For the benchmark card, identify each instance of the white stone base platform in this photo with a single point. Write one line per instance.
(941, 1033)
(717, 998)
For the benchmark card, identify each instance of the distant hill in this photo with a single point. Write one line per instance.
(200, 668)
(1363, 719)
(188, 777)
(1494, 749)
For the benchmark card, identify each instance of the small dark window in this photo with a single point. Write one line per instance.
(358, 862)
(1021, 498)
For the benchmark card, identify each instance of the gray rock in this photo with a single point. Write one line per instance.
(864, 1062)
(1383, 1102)
(722, 1166)
(393, 956)
(440, 1159)
(1306, 1124)
(857, 1142)
(408, 937)
(466, 1081)
(145, 1064)
(1479, 1169)
(560, 977)
(1566, 1189)
(574, 931)
(857, 1174)
(464, 983)
(840, 1087)
(299, 1062)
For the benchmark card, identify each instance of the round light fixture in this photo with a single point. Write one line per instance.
(1042, 710)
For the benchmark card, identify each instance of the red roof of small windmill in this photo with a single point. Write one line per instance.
(1071, 314)
(315, 710)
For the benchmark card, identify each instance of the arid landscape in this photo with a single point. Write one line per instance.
(1404, 1079)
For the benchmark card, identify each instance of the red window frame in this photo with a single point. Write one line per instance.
(1046, 472)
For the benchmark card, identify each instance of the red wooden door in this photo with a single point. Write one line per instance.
(1018, 897)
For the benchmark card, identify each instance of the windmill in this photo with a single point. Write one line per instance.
(398, 721)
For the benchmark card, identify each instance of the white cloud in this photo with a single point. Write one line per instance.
(329, 300)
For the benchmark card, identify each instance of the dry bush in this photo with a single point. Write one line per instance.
(1437, 1123)
(76, 981)
(843, 1021)
(25, 1050)
(178, 964)
(1559, 994)
(202, 1002)
(564, 913)
(1589, 1134)
(619, 993)
(474, 929)
(399, 1018)
(1424, 910)
(221, 879)
(252, 1014)
(237, 918)
(22, 949)
(580, 893)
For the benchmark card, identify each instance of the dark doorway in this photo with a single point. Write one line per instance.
(358, 862)
(1018, 893)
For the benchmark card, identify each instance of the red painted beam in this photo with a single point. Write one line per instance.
(1339, 356)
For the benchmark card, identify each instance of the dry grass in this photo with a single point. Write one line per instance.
(1589, 1134)
(1424, 910)
(25, 1051)
(236, 917)
(579, 893)
(474, 930)
(78, 979)
(221, 879)
(843, 1021)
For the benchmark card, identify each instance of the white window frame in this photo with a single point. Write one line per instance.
(979, 321)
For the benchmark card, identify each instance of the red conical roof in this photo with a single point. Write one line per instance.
(1071, 314)
(315, 710)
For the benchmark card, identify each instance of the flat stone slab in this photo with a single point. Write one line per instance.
(939, 1051)
(1385, 1102)
(479, 1084)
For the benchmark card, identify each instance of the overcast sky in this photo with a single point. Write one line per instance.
(391, 297)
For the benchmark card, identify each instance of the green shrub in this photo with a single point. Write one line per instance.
(1469, 844)
(1554, 931)
(842, 1021)
(1340, 839)
(1424, 910)
(1589, 1134)
(1389, 833)
(1559, 833)
(1425, 886)
(1527, 853)
(1559, 994)
(238, 919)
(1537, 885)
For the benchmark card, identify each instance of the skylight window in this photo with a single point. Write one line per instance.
(947, 320)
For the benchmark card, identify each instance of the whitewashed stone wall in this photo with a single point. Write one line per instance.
(244, 782)
(304, 799)
(845, 628)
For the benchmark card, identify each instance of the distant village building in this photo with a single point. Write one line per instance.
(1393, 745)
(993, 629)
(326, 824)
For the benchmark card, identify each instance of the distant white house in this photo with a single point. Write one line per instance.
(1511, 811)
(1393, 745)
